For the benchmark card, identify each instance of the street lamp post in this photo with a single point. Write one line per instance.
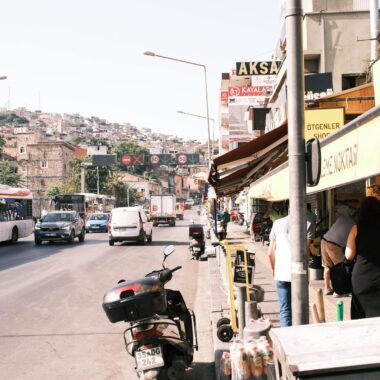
(203, 117)
(152, 54)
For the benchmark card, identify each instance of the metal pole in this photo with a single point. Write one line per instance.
(128, 196)
(97, 180)
(374, 24)
(297, 184)
(208, 122)
(82, 178)
(241, 298)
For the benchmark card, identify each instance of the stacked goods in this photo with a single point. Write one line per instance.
(248, 360)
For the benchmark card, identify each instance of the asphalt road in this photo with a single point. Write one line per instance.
(52, 325)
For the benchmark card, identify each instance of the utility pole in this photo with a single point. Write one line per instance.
(374, 25)
(97, 180)
(297, 176)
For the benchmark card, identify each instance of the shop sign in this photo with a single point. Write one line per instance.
(258, 68)
(348, 158)
(320, 123)
(263, 80)
(224, 96)
(249, 91)
(253, 101)
(318, 86)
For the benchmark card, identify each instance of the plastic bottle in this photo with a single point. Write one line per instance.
(225, 366)
(236, 345)
(339, 310)
(256, 362)
(243, 371)
(267, 355)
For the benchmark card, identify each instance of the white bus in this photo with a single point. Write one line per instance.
(84, 203)
(16, 214)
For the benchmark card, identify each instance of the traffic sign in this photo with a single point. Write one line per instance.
(154, 159)
(182, 159)
(126, 159)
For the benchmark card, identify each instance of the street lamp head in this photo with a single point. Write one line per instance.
(180, 112)
(150, 53)
(3, 77)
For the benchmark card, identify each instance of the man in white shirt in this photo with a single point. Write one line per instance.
(281, 260)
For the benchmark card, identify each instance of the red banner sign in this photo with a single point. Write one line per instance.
(249, 91)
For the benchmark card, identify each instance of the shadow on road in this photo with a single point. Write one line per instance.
(201, 371)
(167, 242)
(23, 252)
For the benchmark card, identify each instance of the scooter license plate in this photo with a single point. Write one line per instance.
(150, 358)
(197, 249)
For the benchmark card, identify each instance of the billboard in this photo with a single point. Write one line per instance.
(258, 68)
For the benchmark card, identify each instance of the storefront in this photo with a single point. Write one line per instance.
(350, 155)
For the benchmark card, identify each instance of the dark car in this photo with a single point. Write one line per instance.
(59, 225)
(97, 222)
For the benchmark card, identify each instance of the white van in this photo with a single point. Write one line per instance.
(129, 224)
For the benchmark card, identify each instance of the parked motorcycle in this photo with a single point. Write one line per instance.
(162, 334)
(263, 234)
(221, 230)
(197, 240)
(240, 219)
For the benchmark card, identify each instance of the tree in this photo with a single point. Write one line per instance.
(9, 175)
(125, 195)
(130, 147)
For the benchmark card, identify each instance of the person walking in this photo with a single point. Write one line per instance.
(332, 247)
(363, 245)
(312, 222)
(226, 218)
(279, 254)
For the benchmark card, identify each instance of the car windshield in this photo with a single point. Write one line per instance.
(59, 217)
(98, 217)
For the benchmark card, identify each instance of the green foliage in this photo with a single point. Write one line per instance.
(55, 189)
(130, 147)
(12, 118)
(9, 176)
(97, 141)
(125, 195)
(109, 183)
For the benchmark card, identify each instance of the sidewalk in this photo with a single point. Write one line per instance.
(238, 235)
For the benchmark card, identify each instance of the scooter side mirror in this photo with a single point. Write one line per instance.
(169, 250)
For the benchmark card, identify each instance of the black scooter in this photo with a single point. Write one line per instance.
(162, 335)
(197, 240)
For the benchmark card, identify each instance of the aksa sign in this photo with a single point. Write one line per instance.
(319, 123)
(258, 68)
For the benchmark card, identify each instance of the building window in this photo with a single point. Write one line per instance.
(352, 80)
(44, 164)
(21, 149)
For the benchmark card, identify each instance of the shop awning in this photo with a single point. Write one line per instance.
(348, 155)
(233, 171)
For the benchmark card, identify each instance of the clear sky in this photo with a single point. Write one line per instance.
(86, 56)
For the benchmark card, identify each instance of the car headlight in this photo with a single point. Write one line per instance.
(104, 224)
(66, 228)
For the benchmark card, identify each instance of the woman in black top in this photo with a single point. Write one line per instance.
(363, 244)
